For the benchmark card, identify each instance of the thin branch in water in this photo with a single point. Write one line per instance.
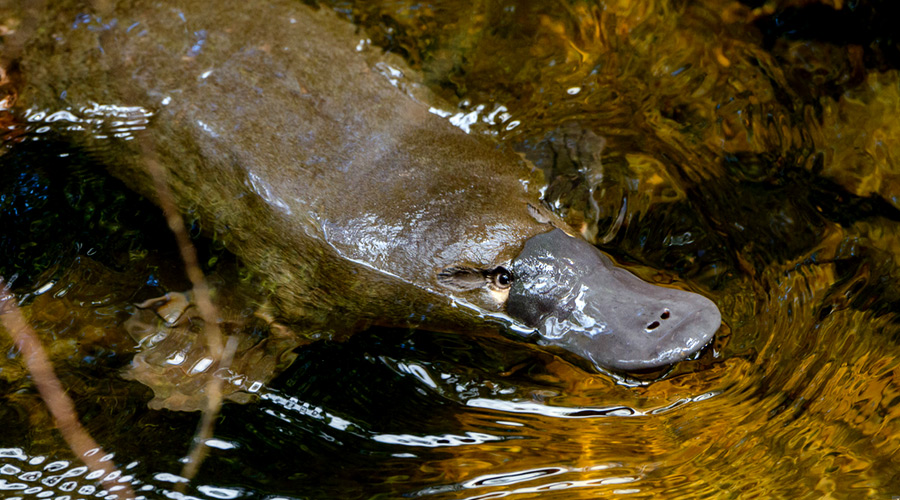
(207, 421)
(202, 298)
(51, 390)
(221, 354)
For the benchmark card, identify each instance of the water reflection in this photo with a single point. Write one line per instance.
(31, 477)
(425, 414)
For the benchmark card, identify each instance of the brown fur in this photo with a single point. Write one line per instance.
(343, 191)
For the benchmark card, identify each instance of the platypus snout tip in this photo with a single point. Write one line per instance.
(668, 343)
(578, 300)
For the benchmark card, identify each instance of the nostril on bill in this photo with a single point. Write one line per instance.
(654, 325)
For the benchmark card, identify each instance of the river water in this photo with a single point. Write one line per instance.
(736, 149)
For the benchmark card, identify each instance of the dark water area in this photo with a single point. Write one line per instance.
(744, 150)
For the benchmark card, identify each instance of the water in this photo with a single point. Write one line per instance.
(736, 152)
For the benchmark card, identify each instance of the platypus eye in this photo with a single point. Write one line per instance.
(501, 278)
(464, 279)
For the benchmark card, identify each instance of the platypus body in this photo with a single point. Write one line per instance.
(280, 132)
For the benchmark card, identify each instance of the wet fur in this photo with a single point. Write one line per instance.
(340, 189)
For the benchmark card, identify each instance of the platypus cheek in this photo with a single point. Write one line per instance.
(500, 297)
(489, 284)
(578, 300)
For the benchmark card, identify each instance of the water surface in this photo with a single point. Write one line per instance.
(734, 151)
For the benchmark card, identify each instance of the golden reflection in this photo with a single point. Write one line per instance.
(865, 159)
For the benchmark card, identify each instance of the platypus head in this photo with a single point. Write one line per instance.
(575, 298)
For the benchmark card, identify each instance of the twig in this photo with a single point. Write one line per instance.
(205, 307)
(207, 421)
(221, 355)
(51, 390)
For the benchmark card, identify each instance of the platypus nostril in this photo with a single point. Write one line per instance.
(652, 326)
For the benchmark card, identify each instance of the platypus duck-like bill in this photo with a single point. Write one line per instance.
(570, 295)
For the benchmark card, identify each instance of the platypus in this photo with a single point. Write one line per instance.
(283, 134)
